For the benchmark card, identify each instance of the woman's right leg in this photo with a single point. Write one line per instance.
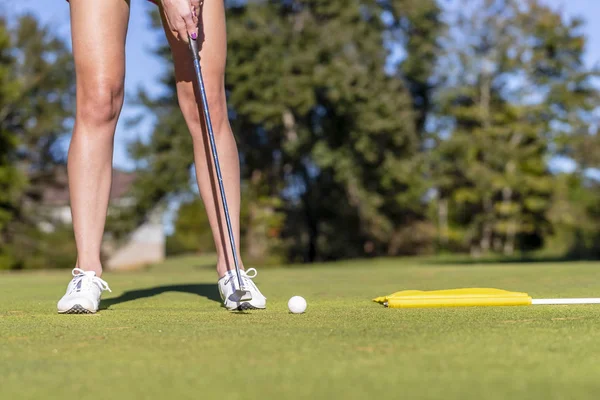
(98, 30)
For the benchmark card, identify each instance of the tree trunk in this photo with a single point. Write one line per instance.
(289, 122)
(443, 221)
(311, 218)
(475, 251)
(487, 230)
(509, 245)
(256, 243)
(497, 244)
(313, 235)
(485, 93)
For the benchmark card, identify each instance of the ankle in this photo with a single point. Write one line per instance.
(223, 268)
(94, 268)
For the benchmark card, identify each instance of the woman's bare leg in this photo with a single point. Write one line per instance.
(213, 41)
(98, 30)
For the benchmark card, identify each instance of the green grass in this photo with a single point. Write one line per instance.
(164, 335)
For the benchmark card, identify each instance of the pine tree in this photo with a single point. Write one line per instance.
(496, 114)
(36, 106)
(569, 111)
(11, 179)
(328, 139)
(309, 88)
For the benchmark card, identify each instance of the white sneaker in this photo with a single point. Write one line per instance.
(228, 285)
(83, 293)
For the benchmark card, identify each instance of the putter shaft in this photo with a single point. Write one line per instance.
(196, 57)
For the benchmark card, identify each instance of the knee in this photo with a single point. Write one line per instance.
(191, 107)
(100, 103)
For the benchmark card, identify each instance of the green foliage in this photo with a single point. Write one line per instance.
(32, 248)
(36, 103)
(326, 124)
(11, 179)
(346, 149)
(350, 151)
(192, 231)
(513, 70)
(328, 140)
(261, 223)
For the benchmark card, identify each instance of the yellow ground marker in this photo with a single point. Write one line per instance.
(469, 297)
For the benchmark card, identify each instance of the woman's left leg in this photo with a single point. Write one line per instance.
(213, 53)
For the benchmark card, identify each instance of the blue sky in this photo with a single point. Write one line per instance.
(143, 69)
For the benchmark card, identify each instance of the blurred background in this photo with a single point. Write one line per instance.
(365, 128)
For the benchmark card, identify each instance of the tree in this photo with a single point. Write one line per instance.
(570, 114)
(324, 121)
(36, 106)
(11, 179)
(327, 137)
(505, 64)
(349, 149)
(191, 233)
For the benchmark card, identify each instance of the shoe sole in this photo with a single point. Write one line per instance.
(77, 309)
(247, 306)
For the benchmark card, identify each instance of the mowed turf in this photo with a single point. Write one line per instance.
(163, 334)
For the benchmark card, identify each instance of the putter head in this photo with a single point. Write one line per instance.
(242, 295)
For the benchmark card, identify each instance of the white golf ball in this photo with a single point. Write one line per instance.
(297, 305)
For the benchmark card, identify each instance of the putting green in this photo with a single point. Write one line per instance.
(164, 335)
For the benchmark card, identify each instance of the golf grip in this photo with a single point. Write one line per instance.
(213, 147)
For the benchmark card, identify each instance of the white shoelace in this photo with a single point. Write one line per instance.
(89, 278)
(246, 278)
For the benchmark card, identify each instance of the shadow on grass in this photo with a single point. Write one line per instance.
(206, 290)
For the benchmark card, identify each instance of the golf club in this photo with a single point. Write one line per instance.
(241, 293)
